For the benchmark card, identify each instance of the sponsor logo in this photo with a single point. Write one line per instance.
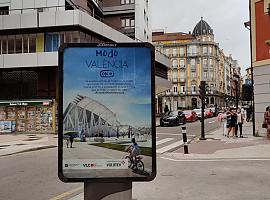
(114, 164)
(89, 165)
(72, 165)
(106, 73)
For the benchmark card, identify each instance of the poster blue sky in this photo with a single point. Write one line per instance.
(119, 78)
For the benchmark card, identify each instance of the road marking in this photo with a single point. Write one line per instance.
(171, 146)
(212, 122)
(191, 135)
(168, 134)
(217, 160)
(65, 194)
(163, 141)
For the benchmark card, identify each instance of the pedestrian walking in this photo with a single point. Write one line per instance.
(234, 122)
(243, 112)
(67, 141)
(266, 122)
(248, 114)
(229, 128)
(166, 109)
(240, 120)
(71, 140)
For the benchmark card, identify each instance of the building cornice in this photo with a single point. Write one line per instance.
(18, 23)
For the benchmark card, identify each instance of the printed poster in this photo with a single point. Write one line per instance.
(107, 112)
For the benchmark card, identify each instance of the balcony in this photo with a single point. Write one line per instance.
(39, 59)
(122, 9)
(182, 80)
(193, 54)
(175, 80)
(60, 18)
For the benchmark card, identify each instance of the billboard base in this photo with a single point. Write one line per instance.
(108, 191)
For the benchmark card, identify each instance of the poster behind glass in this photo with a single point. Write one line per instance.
(106, 116)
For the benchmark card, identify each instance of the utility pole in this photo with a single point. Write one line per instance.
(202, 97)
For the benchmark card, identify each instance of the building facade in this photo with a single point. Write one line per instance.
(260, 53)
(129, 17)
(196, 57)
(30, 33)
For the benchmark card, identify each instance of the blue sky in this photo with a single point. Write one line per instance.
(134, 106)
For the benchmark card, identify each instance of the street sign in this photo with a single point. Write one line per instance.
(106, 113)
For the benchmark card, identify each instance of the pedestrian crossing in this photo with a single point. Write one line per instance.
(164, 141)
(169, 147)
(168, 144)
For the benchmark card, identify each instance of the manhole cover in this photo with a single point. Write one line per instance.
(31, 135)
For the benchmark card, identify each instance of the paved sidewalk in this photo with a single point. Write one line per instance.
(17, 143)
(218, 146)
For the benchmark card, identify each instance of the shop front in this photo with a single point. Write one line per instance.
(35, 116)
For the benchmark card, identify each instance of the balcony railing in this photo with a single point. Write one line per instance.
(175, 80)
(193, 54)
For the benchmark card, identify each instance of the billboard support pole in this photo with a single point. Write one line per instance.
(108, 191)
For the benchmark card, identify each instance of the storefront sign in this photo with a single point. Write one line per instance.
(106, 113)
(26, 103)
(18, 103)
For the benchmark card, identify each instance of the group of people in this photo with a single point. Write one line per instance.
(235, 120)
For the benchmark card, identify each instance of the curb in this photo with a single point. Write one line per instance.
(29, 150)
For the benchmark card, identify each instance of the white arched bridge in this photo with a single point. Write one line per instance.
(95, 119)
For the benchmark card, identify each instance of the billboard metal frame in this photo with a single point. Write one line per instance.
(60, 112)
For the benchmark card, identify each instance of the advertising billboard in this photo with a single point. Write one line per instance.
(106, 112)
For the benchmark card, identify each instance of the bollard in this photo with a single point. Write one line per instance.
(184, 133)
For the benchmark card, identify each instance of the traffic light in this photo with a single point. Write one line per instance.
(202, 90)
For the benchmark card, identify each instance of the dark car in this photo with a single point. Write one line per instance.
(173, 118)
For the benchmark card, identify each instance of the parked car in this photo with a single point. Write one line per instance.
(191, 116)
(209, 112)
(173, 118)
